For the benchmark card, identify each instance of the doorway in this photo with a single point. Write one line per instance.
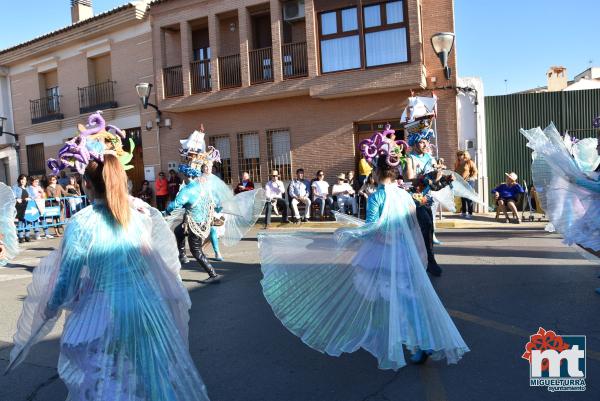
(136, 174)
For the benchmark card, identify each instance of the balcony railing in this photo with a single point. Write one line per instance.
(261, 65)
(230, 73)
(200, 72)
(173, 81)
(294, 60)
(45, 109)
(97, 97)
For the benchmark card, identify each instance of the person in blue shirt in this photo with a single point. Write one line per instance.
(421, 168)
(199, 208)
(507, 195)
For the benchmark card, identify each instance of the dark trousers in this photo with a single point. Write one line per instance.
(362, 179)
(195, 242)
(282, 205)
(161, 202)
(467, 206)
(425, 218)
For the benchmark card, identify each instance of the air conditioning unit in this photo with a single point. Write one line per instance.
(293, 10)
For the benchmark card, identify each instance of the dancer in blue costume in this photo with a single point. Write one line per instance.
(9, 245)
(116, 273)
(362, 287)
(207, 205)
(568, 184)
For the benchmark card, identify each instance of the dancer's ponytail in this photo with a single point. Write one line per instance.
(110, 182)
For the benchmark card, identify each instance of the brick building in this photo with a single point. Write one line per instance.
(57, 80)
(296, 83)
(277, 84)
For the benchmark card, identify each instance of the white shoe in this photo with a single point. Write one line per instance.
(37, 237)
(49, 236)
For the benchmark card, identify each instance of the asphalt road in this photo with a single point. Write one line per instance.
(499, 284)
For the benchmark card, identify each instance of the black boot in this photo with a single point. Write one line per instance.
(196, 249)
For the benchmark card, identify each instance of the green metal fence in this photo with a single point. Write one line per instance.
(571, 112)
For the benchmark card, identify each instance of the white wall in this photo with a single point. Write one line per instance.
(6, 111)
(471, 127)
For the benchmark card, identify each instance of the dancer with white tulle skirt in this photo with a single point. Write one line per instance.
(364, 286)
(9, 245)
(116, 274)
(566, 179)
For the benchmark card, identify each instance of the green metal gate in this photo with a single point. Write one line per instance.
(571, 111)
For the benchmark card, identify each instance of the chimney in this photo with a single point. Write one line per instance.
(81, 10)
(557, 79)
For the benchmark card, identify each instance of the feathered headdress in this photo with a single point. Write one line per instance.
(379, 145)
(194, 153)
(92, 143)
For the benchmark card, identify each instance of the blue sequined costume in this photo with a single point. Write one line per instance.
(362, 287)
(126, 334)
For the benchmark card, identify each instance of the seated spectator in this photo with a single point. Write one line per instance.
(320, 193)
(351, 179)
(63, 180)
(74, 191)
(245, 185)
(299, 192)
(507, 194)
(368, 188)
(274, 191)
(145, 193)
(345, 195)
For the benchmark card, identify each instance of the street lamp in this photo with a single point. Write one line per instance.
(442, 43)
(143, 90)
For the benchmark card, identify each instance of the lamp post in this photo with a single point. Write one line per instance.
(442, 43)
(143, 90)
(16, 143)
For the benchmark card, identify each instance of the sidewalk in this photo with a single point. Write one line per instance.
(449, 220)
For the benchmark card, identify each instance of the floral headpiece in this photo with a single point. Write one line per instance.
(379, 145)
(424, 134)
(194, 153)
(92, 143)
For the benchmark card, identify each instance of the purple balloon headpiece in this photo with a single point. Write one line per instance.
(93, 142)
(596, 122)
(381, 145)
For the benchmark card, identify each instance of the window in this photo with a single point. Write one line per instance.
(36, 162)
(340, 41)
(249, 154)
(223, 145)
(278, 145)
(381, 38)
(385, 34)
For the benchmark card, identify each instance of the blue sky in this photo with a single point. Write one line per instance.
(513, 40)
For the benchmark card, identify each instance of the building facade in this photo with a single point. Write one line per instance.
(57, 80)
(284, 85)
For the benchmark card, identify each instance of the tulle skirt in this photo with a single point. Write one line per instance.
(364, 287)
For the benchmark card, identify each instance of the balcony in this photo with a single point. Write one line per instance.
(230, 73)
(294, 60)
(173, 81)
(200, 74)
(261, 65)
(99, 96)
(45, 109)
